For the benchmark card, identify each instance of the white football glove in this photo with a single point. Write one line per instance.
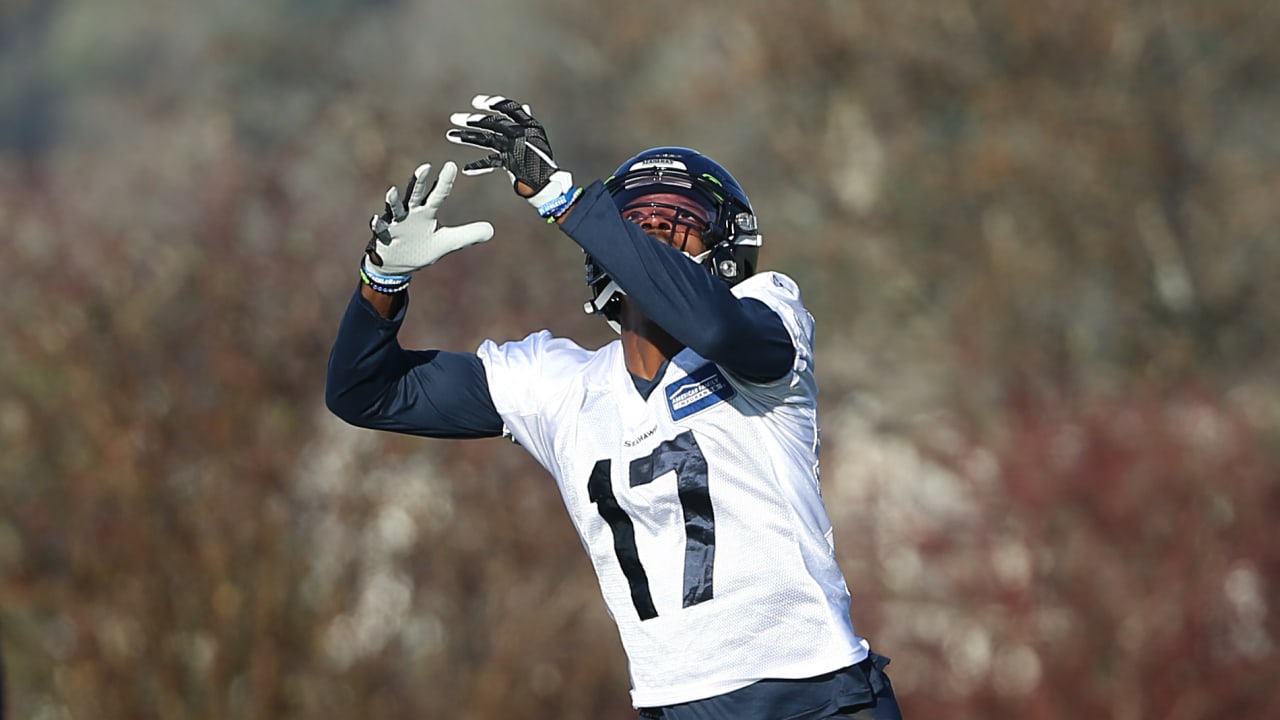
(407, 237)
(520, 146)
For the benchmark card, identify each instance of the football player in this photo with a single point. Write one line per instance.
(686, 451)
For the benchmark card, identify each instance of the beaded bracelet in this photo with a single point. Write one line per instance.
(389, 284)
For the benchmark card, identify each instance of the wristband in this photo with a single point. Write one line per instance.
(555, 196)
(389, 284)
(555, 207)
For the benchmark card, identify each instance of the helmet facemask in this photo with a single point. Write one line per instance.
(606, 296)
(673, 224)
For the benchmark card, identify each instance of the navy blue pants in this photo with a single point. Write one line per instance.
(857, 692)
(883, 704)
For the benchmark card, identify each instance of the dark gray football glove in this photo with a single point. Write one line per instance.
(519, 145)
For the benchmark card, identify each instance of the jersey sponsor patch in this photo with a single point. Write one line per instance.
(700, 390)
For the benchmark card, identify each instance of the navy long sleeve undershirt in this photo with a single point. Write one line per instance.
(696, 308)
(375, 383)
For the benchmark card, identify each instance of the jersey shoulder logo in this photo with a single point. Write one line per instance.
(698, 391)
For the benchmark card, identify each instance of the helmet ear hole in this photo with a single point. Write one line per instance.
(724, 263)
(727, 269)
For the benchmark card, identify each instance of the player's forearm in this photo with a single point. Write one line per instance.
(374, 383)
(671, 291)
(386, 304)
(693, 306)
(363, 354)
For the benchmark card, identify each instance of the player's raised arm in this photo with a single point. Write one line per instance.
(373, 382)
(667, 206)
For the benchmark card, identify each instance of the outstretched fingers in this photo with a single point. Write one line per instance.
(518, 112)
(478, 138)
(442, 187)
(395, 207)
(484, 165)
(497, 144)
(487, 122)
(515, 141)
(418, 187)
(380, 229)
(450, 239)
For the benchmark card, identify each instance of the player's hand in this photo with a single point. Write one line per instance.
(407, 236)
(518, 144)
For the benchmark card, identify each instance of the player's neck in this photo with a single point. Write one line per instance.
(645, 346)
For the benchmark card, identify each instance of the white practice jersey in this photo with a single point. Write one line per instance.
(700, 507)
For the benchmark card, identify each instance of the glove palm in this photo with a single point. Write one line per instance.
(408, 237)
(520, 146)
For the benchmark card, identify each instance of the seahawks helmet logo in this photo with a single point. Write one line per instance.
(663, 162)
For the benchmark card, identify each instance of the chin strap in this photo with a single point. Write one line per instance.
(723, 263)
(698, 258)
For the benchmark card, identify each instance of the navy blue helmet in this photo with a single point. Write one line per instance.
(732, 240)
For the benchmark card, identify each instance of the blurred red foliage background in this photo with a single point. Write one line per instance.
(1039, 241)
